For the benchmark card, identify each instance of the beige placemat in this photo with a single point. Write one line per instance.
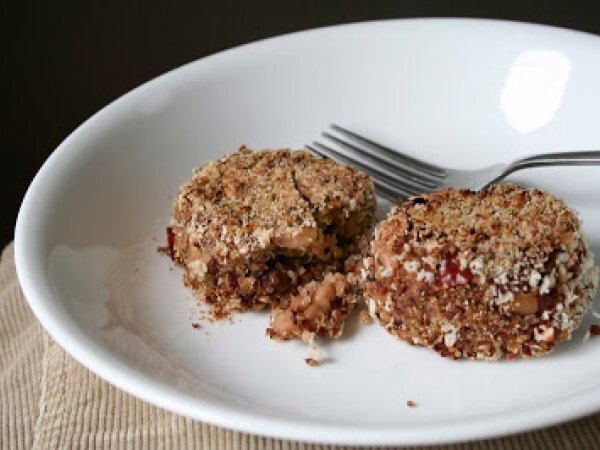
(49, 401)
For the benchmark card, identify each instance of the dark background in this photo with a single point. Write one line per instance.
(61, 62)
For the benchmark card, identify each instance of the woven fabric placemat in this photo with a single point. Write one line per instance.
(50, 401)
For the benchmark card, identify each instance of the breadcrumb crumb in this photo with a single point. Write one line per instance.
(312, 362)
(365, 318)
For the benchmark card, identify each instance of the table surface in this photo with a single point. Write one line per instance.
(61, 64)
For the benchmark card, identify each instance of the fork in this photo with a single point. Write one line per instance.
(397, 175)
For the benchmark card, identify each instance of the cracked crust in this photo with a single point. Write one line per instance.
(250, 227)
(503, 271)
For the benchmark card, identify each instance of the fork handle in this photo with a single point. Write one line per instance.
(583, 158)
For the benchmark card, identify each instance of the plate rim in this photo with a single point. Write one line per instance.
(135, 382)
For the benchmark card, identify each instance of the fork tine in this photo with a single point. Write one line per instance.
(381, 188)
(391, 178)
(380, 177)
(393, 156)
(382, 191)
(386, 191)
(416, 178)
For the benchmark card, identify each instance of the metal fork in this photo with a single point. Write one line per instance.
(397, 175)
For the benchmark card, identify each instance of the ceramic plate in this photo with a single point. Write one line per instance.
(463, 93)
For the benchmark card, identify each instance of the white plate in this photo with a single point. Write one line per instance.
(459, 92)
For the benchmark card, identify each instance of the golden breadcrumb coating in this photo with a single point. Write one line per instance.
(252, 226)
(503, 271)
